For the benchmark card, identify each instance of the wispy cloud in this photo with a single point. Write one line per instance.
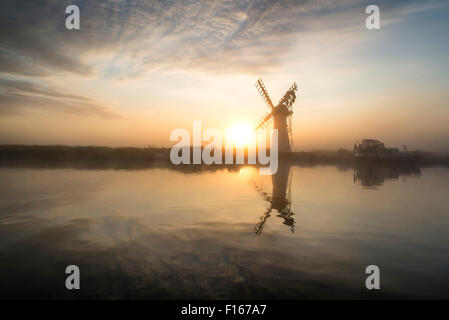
(143, 35)
(19, 97)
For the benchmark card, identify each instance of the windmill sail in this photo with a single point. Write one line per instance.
(263, 92)
(289, 98)
(265, 121)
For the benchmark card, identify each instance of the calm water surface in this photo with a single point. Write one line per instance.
(308, 232)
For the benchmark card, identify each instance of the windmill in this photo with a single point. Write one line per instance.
(281, 114)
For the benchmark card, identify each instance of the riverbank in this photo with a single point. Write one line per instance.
(97, 156)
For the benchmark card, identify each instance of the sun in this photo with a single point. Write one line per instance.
(240, 134)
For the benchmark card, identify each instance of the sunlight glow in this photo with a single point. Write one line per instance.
(240, 134)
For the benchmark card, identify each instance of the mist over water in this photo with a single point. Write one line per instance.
(307, 232)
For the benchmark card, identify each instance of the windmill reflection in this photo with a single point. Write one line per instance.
(279, 199)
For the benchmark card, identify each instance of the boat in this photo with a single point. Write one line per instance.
(371, 149)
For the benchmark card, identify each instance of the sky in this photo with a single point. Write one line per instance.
(136, 70)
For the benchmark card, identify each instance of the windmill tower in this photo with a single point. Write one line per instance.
(281, 114)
